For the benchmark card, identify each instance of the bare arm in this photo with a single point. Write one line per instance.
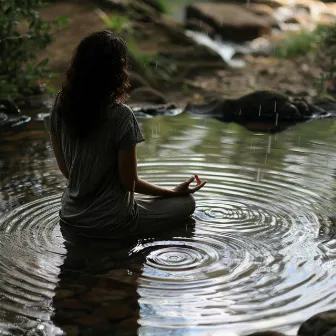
(127, 166)
(59, 157)
(128, 173)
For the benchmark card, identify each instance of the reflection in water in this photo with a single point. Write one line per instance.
(260, 255)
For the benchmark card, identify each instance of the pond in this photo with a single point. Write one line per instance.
(259, 254)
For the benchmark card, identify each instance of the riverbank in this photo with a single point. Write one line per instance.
(169, 66)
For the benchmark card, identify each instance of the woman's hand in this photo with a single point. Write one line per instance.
(185, 189)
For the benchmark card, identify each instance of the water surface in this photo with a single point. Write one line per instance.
(259, 255)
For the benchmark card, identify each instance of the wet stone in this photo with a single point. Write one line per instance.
(72, 304)
(322, 324)
(63, 294)
(100, 295)
(94, 319)
(267, 333)
(71, 330)
(67, 316)
(129, 325)
(119, 311)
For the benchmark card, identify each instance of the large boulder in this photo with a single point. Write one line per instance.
(267, 333)
(265, 110)
(231, 21)
(322, 324)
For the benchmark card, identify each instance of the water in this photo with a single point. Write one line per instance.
(260, 253)
(226, 50)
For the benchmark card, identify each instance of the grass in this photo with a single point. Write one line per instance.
(145, 63)
(326, 77)
(303, 42)
(117, 23)
(299, 43)
(162, 6)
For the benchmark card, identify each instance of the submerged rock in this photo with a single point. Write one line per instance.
(156, 110)
(10, 115)
(267, 333)
(265, 110)
(230, 21)
(265, 106)
(322, 324)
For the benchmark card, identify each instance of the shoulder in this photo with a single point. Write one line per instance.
(119, 112)
(119, 109)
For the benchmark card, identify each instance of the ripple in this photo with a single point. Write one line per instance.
(261, 254)
(255, 254)
(31, 248)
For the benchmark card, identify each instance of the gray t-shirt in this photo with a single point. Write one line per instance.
(94, 202)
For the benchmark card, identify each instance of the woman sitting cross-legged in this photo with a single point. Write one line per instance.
(94, 137)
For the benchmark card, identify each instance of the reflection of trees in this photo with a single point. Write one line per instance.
(28, 169)
(305, 149)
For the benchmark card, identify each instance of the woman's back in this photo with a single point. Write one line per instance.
(94, 142)
(94, 198)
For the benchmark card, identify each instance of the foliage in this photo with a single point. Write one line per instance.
(22, 35)
(145, 63)
(299, 43)
(323, 38)
(327, 78)
(161, 6)
(117, 23)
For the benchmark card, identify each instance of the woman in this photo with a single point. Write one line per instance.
(94, 137)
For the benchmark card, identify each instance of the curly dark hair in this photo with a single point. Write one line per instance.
(97, 76)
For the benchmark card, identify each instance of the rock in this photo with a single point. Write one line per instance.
(9, 107)
(259, 105)
(10, 116)
(70, 330)
(72, 304)
(265, 12)
(3, 118)
(261, 109)
(33, 102)
(262, 47)
(326, 104)
(158, 110)
(130, 325)
(322, 324)
(302, 21)
(273, 3)
(261, 9)
(63, 294)
(100, 295)
(267, 333)
(147, 95)
(199, 25)
(230, 21)
(199, 53)
(94, 319)
(174, 30)
(124, 311)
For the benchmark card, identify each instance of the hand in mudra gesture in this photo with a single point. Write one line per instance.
(185, 189)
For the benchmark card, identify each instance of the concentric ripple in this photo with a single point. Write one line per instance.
(261, 241)
(260, 255)
(31, 249)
